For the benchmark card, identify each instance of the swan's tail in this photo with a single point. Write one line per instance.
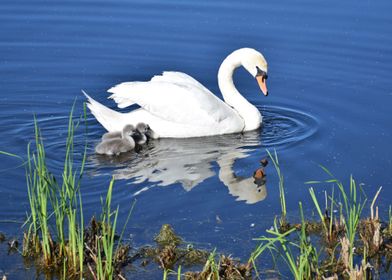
(108, 118)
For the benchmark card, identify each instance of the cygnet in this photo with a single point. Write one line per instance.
(141, 138)
(115, 146)
(145, 133)
(117, 134)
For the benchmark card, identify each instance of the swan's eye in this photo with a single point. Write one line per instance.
(261, 73)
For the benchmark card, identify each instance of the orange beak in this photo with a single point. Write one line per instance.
(262, 84)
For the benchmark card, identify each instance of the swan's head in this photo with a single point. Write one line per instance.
(255, 63)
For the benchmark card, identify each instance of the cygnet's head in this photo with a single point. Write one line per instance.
(146, 130)
(128, 130)
(142, 127)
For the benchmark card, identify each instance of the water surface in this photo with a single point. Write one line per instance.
(329, 103)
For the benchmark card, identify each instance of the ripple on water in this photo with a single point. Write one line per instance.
(162, 162)
(284, 126)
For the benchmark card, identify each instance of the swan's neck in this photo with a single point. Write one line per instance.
(248, 112)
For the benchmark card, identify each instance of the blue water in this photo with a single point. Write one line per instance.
(329, 103)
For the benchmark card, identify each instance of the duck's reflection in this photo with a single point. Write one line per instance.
(191, 161)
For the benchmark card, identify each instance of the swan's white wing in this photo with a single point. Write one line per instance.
(179, 78)
(178, 98)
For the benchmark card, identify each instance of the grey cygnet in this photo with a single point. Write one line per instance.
(146, 133)
(114, 146)
(112, 135)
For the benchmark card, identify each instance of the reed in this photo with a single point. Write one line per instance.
(67, 204)
(179, 273)
(58, 201)
(390, 220)
(300, 257)
(275, 161)
(48, 198)
(328, 222)
(167, 272)
(39, 182)
(109, 222)
(308, 264)
(211, 267)
(350, 210)
(105, 252)
(303, 259)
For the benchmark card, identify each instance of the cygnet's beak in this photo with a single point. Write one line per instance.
(261, 80)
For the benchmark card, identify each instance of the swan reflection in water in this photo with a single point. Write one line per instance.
(190, 161)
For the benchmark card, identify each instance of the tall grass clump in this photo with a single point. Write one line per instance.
(60, 199)
(102, 244)
(103, 249)
(344, 234)
(38, 180)
(350, 209)
(298, 254)
(275, 161)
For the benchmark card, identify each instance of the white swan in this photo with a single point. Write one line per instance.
(176, 105)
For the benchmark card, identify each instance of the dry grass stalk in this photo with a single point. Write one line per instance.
(121, 277)
(334, 277)
(345, 252)
(370, 231)
(92, 271)
(359, 273)
(231, 269)
(372, 205)
(377, 238)
(227, 269)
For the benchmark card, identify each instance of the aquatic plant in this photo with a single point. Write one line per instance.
(221, 267)
(342, 233)
(104, 245)
(73, 250)
(350, 211)
(45, 195)
(59, 202)
(329, 225)
(275, 161)
(390, 220)
(301, 257)
(39, 183)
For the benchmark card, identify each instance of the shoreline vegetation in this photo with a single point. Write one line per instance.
(341, 244)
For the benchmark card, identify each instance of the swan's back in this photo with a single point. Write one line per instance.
(178, 78)
(176, 98)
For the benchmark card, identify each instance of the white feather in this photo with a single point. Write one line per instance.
(176, 105)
